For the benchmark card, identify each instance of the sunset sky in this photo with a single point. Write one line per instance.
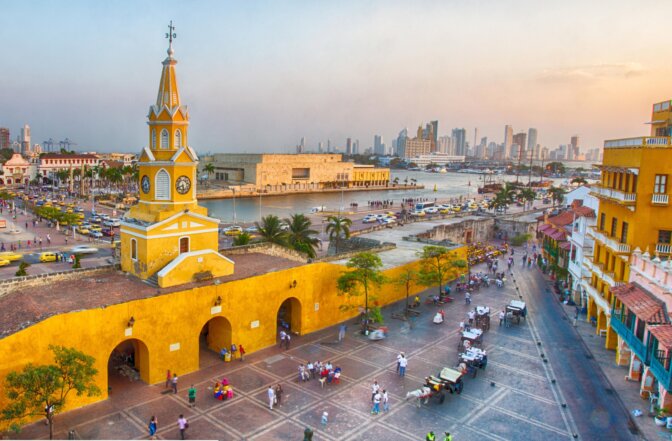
(257, 76)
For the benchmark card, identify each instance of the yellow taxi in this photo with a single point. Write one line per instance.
(80, 215)
(11, 256)
(457, 209)
(47, 256)
(81, 230)
(4, 262)
(95, 228)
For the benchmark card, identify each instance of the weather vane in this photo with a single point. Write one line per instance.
(170, 35)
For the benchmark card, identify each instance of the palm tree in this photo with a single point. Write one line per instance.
(270, 229)
(505, 196)
(557, 195)
(527, 195)
(338, 227)
(300, 236)
(396, 180)
(209, 168)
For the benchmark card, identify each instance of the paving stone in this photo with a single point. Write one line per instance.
(248, 379)
(246, 416)
(341, 421)
(293, 398)
(510, 428)
(115, 426)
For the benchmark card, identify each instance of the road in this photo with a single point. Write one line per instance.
(597, 410)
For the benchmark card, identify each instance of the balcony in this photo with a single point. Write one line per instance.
(635, 344)
(664, 248)
(660, 199)
(614, 195)
(613, 243)
(609, 278)
(597, 234)
(639, 142)
(574, 268)
(660, 371)
(596, 296)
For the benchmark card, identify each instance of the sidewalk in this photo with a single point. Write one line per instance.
(627, 391)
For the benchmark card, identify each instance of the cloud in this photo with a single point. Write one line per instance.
(590, 73)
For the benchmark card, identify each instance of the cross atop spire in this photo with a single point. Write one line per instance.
(170, 35)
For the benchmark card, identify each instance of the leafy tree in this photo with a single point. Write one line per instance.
(557, 195)
(556, 167)
(406, 279)
(580, 180)
(6, 154)
(22, 269)
(527, 195)
(338, 227)
(38, 388)
(242, 239)
(505, 196)
(271, 230)
(77, 264)
(438, 264)
(364, 274)
(300, 236)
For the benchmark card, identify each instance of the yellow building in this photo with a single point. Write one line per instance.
(279, 172)
(634, 213)
(167, 235)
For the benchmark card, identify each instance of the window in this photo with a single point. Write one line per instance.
(184, 245)
(660, 184)
(162, 186)
(134, 249)
(664, 236)
(164, 139)
(603, 220)
(153, 138)
(178, 139)
(614, 224)
(624, 232)
(641, 324)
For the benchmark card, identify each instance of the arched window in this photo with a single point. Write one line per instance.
(162, 186)
(178, 139)
(164, 139)
(134, 249)
(184, 245)
(153, 138)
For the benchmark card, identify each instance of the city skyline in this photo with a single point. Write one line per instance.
(294, 72)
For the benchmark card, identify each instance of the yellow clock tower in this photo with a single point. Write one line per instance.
(168, 236)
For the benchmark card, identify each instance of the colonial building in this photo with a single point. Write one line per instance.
(278, 172)
(17, 171)
(634, 212)
(50, 163)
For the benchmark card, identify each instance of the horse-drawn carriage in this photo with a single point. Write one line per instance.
(471, 338)
(448, 379)
(471, 360)
(482, 320)
(515, 310)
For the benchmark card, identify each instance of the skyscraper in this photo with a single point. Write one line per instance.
(4, 138)
(430, 133)
(435, 133)
(531, 141)
(459, 142)
(25, 139)
(508, 140)
(574, 141)
(401, 143)
(521, 140)
(348, 146)
(378, 146)
(475, 137)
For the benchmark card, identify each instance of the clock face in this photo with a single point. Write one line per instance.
(144, 183)
(183, 184)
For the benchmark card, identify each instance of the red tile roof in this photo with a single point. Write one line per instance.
(663, 334)
(565, 245)
(643, 304)
(68, 156)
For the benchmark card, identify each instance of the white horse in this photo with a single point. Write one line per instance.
(418, 395)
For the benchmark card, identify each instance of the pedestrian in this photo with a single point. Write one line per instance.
(376, 404)
(168, 378)
(502, 316)
(40, 242)
(467, 297)
(471, 315)
(183, 424)
(287, 340)
(283, 335)
(234, 349)
(401, 354)
(271, 397)
(386, 401)
(173, 381)
(375, 387)
(308, 434)
(192, 396)
(341, 332)
(48, 239)
(325, 418)
(311, 369)
(402, 366)
(278, 394)
(447, 436)
(241, 350)
(430, 437)
(153, 422)
(66, 240)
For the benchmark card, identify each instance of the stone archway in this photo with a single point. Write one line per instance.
(215, 335)
(289, 315)
(128, 362)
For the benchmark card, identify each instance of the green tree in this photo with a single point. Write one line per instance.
(242, 239)
(300, 236)
(527, 195)
(338, 228)
(557, 194)
(580, 180)
(209, 168)
(556, 167)
(22, 269)
(77, 263)
(38, 388)
(505, 196)
(406, 279)
(438, 265)
(6, 154)
(270, 229)
(364, 273)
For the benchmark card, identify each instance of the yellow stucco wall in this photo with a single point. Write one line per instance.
(189, 265)
(169, 325)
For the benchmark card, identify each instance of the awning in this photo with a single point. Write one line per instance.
(663, 334)
(565, 245)
(643, 304)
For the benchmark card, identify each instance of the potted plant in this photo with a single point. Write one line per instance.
(660, 417)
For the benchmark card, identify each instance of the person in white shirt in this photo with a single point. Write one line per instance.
(375, 387)
(402, 366)
(271, 397)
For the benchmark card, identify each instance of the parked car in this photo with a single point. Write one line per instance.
(233, 230)
(107, 231)
(11, 256)
(96, 234)
(47, 256)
